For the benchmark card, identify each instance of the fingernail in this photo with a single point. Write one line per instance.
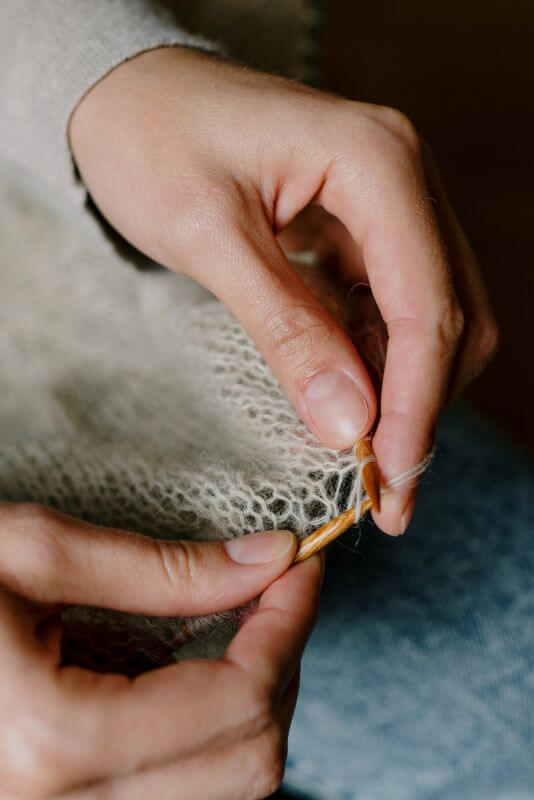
(260, 548)
(337, 408)
(397, 516)
(390, 513)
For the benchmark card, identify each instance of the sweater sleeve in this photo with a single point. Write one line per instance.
(51, 54)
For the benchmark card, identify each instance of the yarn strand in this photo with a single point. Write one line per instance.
(411, 475)
(359, 504)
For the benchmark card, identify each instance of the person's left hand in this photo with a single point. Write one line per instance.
(200, 164)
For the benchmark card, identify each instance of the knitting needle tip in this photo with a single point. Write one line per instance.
(370, 479)
(328, 532)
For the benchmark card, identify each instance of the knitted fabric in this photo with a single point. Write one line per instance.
(134, 399)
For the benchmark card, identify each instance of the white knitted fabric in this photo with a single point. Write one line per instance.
(134, 399)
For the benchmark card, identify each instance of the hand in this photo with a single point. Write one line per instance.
(199, 729)
(200, 164)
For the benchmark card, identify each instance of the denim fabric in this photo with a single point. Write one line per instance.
(418, 683)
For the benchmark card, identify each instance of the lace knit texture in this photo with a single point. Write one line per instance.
(133, 399)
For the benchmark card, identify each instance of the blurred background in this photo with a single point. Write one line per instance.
(463, 71)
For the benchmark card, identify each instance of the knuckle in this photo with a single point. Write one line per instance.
(380, 141)
(300, 335)
(442, 329)
(445, 328)
(400, 127)
(177, 564)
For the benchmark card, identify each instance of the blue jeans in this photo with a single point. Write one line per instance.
(418, 682)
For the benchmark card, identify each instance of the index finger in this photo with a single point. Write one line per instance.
(386, 208)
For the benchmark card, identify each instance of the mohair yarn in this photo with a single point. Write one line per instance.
(134, 399)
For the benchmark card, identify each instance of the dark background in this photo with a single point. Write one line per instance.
(463, 71)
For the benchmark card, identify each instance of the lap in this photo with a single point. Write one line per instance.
(419, 677)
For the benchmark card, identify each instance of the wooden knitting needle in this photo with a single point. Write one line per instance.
(327, 533)
(371, 483)
(335, 527)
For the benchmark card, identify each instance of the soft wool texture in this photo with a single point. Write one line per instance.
(131, 398)
(134, 399)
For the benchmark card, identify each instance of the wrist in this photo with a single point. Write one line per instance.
(116, 89)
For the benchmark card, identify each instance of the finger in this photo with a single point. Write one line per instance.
(94, 727)
(309, 353)
(386, 207)
(246, 687)
(49, 557)
(271, 642)
(480, 336)
(82, 727)
(316, 230)
(252, 768)
(99, 722)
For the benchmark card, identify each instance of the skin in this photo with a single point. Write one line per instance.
(207, 168)
(216, 729)
(202, 165)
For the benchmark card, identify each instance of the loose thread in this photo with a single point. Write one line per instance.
(411, 475)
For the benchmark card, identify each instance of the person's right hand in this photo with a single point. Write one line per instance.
(200, 729)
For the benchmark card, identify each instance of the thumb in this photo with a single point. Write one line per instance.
(48, 557)
(314, 360)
